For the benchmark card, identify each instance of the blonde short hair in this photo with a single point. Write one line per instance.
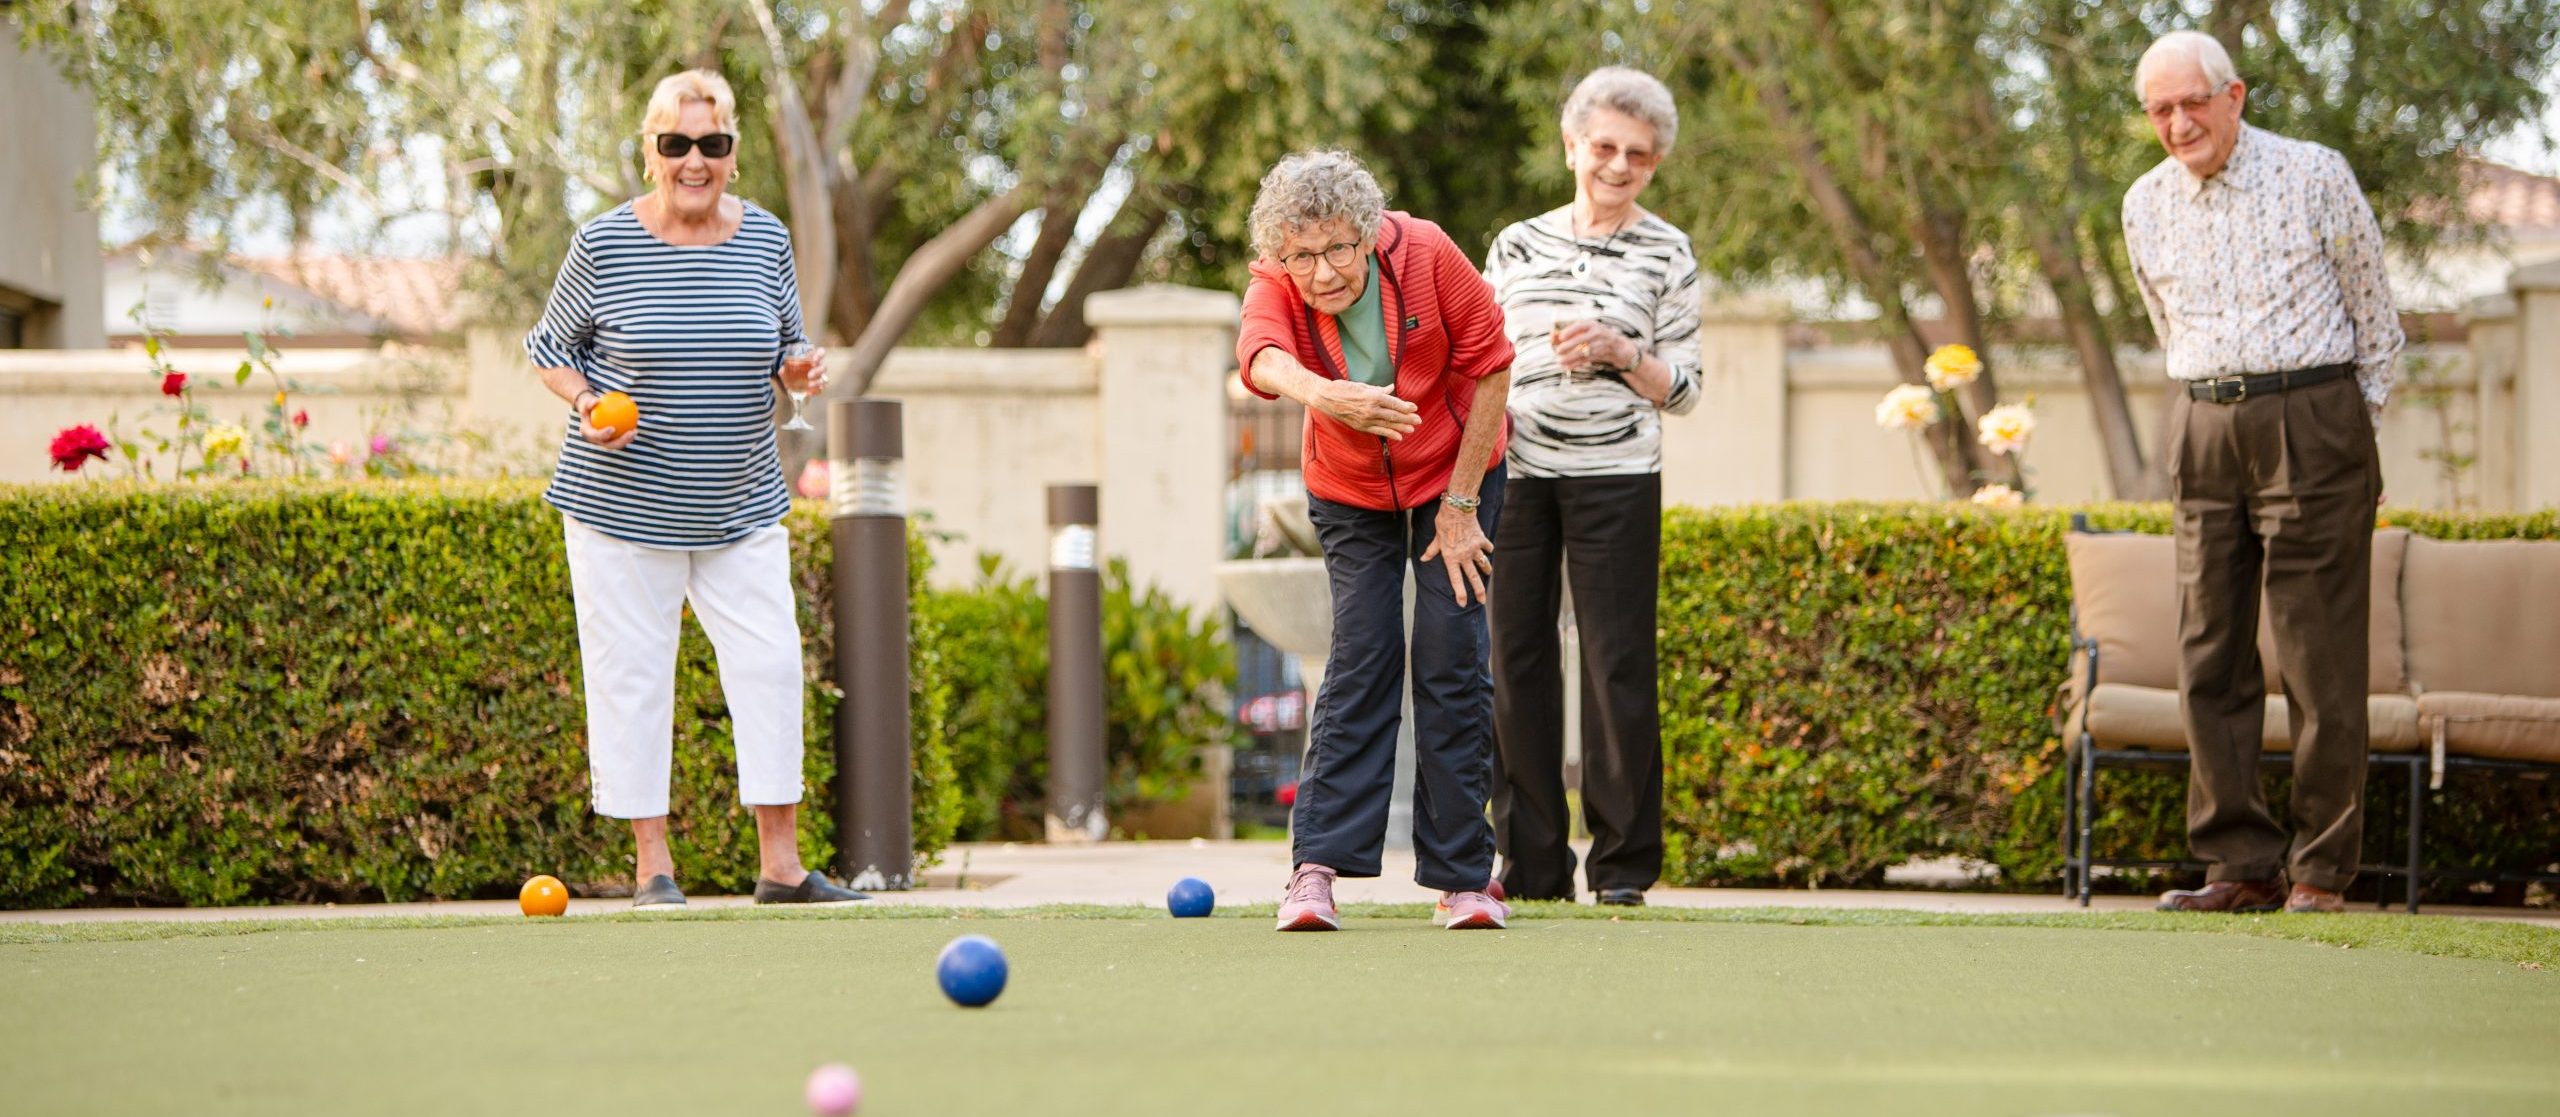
(667, 102)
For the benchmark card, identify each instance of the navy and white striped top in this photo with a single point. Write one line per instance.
(694, 335)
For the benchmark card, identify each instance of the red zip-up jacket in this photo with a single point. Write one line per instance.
(1444, 333)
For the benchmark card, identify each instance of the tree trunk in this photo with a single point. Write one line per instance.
(924, 273)
(1855, 239)
(857, 276)
(1941, 238)
(805, 173)
(2060, 261)
(1060, 208)
(1107, 266)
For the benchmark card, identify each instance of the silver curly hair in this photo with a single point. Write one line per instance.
(1633, 92)
(1311, 188)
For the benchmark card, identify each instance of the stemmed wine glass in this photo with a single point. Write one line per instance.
(795, 358)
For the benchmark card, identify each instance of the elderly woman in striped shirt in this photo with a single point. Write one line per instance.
(1601, 301)
(683, 299)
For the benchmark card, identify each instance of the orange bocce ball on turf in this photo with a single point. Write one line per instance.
(544, 895)
(614, 410)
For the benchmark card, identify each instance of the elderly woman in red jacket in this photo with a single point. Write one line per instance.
(1386, 332)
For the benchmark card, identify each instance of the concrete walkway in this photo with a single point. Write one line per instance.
(1027, 875)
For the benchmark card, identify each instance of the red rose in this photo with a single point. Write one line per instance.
(1286, 795)
(76, 445)
(301, 418)
(173, 383)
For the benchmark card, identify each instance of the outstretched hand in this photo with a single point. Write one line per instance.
(1367, 409)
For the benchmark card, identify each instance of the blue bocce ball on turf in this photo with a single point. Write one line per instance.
(971, 970)
(1191, 898)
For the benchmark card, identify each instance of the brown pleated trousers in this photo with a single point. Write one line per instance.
(2275, 492)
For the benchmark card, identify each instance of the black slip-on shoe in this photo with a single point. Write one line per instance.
(660, 894)
(814, 889)
(1622, 897)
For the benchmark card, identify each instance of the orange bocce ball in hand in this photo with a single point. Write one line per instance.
(544, 895)
(614, 410)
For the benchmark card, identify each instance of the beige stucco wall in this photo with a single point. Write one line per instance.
(1141, 412)
(1802, 426)
(48, 240)
(351, 394)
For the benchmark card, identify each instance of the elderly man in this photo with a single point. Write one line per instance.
(2262, 268)
(1378, 324)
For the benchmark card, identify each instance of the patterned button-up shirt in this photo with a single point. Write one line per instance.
(2273, 264)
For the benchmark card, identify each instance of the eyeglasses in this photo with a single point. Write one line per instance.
(1339, 255)
(1640, 159)
(716, 145)
(2161, 112)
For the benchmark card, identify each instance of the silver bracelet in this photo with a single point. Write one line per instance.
(1461, 503)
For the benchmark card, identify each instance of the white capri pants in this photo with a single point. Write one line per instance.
(630, 601)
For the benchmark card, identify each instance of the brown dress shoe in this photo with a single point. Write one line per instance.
(2308, 898)
(2227, 896)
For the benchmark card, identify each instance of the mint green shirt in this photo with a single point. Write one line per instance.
(1364, 336)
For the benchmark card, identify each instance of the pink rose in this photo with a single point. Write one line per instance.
(814, 480)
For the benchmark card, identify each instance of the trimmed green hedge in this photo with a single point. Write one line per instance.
(211, 695)
(1847, 687)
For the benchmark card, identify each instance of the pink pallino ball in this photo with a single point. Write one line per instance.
(834, 1091)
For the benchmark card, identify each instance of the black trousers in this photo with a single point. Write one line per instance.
(1340, 818)
(1604, 535)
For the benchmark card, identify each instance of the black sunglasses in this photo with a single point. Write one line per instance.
(717, 145)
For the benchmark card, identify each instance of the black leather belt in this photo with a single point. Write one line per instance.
(2233, 389)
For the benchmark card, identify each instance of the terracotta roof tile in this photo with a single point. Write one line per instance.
(417, 298)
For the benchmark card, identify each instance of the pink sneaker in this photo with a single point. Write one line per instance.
(1470, 911)
(1310, 903)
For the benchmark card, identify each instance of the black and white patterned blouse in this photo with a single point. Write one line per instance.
(1644, 283)
(2275, 263)
(694, 334)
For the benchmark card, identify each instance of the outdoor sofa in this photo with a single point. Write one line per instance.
(2465, 673)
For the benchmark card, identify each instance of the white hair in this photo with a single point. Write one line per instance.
(1311, 188)
(1633, 92)
(2203, 50)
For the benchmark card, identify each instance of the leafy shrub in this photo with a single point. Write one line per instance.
(1166, 674)
(213, 695)
(1847, 686)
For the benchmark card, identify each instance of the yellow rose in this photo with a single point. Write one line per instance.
(1952, 367)
(223, 441)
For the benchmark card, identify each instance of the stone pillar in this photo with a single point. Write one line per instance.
(2491, 323)
(2536, 421)
(1733, 448)
(1166, 353)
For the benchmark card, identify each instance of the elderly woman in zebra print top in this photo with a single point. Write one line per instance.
(1600, 299)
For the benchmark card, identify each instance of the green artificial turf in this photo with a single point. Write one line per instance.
(1115, 1011)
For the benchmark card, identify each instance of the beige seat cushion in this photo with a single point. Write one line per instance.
(2121, 716)
(2495, 726)
(2124, 589)
(2484, 616)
